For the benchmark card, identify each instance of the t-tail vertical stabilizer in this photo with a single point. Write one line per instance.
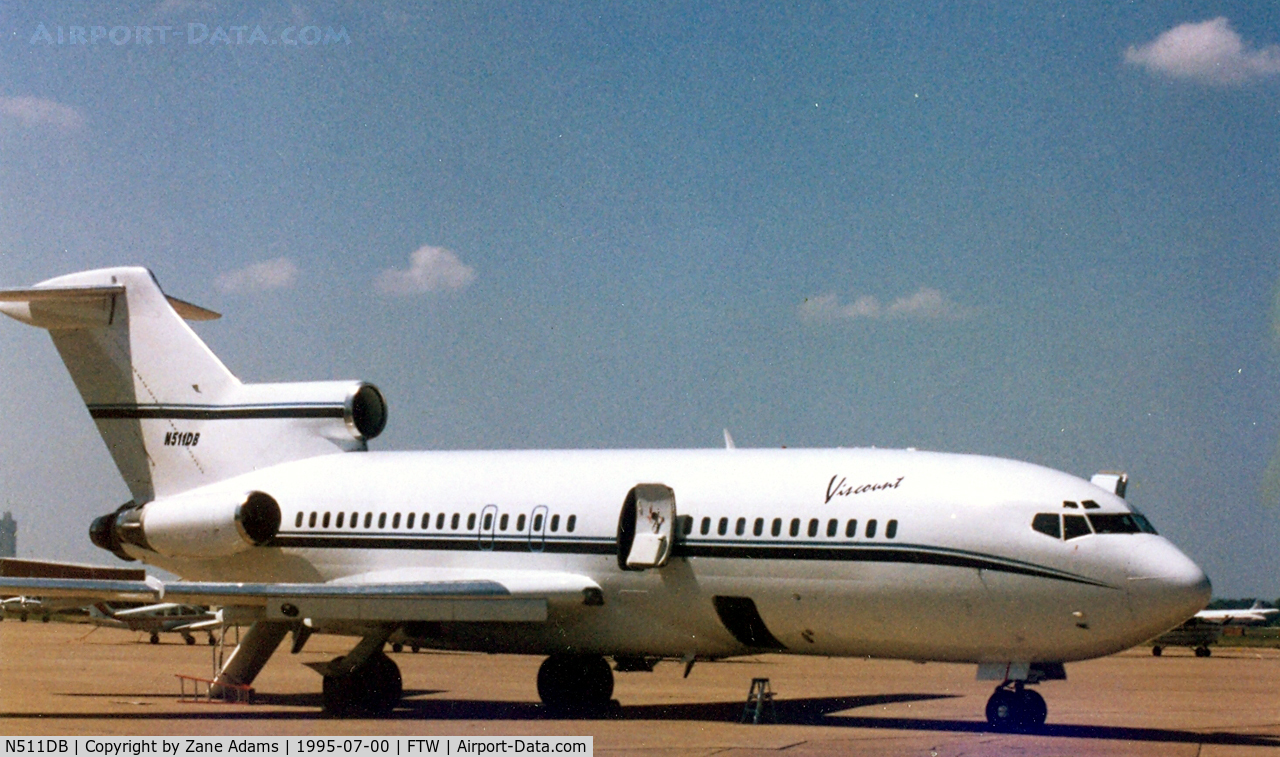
(172, 415)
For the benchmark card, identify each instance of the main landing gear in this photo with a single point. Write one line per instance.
(575, 681)
(371, 690)
(1013, 707)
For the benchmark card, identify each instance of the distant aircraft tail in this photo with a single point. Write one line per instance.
(172, 415)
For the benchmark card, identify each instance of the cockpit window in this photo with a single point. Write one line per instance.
(1113, 523)
(1143, 523)
(1048, 524)
(1090, 504)
(1074, 525)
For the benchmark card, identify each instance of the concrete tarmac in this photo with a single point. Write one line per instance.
(70, 679)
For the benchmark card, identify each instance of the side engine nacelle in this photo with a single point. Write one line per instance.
(191, 525)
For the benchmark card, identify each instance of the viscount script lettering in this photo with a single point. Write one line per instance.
(839, 486)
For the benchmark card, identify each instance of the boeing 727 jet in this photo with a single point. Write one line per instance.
(265, 500)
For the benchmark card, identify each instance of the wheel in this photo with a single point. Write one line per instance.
(1018, 709)
(1157, 650)
(44, 619)
(1033, 709)
(1203, 652)
(212, 641)
(1002, 710)
(155, 638)
(23, 617)
(397, 647)
(570, 680)
(189, 639)
(415, 648)
(371, 690)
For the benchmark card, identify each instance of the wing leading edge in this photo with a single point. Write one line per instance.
(514, 597)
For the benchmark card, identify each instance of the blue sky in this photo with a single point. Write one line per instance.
(1043, 233)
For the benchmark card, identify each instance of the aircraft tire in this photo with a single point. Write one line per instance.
(189, 639)
(1016, 710)
(1203, 652)
(575, 680)
(1157, 650)
(397, 647)
(372, 690)
(155, 638)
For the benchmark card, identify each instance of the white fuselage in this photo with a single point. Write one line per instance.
(953, 571)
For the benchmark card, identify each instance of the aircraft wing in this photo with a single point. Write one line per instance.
(402, 595)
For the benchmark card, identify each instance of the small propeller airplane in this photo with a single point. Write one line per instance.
(265, 499)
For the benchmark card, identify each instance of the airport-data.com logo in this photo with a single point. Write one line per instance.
(198, 34)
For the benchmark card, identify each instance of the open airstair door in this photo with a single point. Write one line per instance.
(646, 528)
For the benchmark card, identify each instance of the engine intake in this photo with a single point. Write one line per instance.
(191, 525)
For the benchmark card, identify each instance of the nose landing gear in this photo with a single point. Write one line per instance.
(1013, 707)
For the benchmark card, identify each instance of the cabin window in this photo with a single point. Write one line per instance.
(813, 527)
(355, 520)
(537, 523)
(705, 528)
(776, 529)
(740, 527)
(1074, 526)
(891, 529)
(471, 522)
(723, 528)
(569, 524)
(453, 522)
(502, 522)
(338, 523)
(382, 520)
(440, 522)
(758, 528)
(686, 524)
(851, 528)
(795, 526)
(520, 521)
(311, 522)
(426, 521)
(395, 520)
(409, 521)
(488, 521)
(368, 519)
(324, 522)
(871, 528)
(1117, 523)
(297, 522)
(1047, 524)
(833, 526)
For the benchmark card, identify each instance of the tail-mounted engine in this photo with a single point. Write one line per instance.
(190, 525)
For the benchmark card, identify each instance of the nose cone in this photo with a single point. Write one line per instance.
(1165, 586)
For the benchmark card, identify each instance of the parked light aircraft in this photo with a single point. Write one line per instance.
(1205, 628)
(165, 617)
(264, 499)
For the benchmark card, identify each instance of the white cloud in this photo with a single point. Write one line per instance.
(35, 112)
(431, 269)
(926, 304)
(279, 273)
(1210, 52)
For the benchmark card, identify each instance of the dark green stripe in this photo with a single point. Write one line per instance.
(909, 554)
